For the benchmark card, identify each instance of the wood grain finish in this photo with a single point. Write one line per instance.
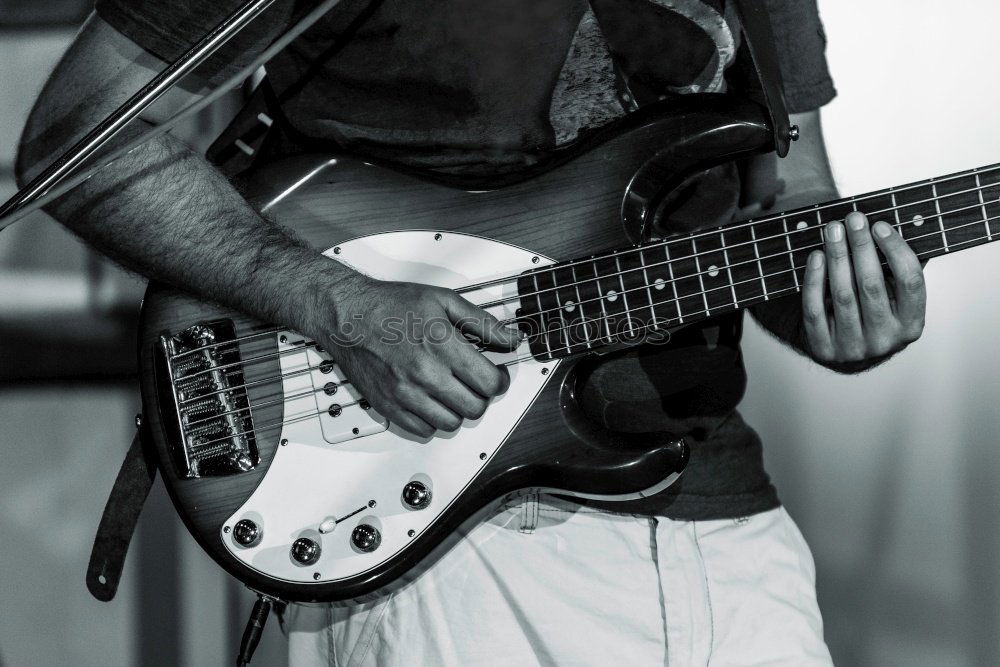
(573, 210)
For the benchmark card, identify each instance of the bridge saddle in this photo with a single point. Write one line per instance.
(203, 375)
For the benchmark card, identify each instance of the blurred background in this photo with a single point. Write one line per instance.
(891, 475)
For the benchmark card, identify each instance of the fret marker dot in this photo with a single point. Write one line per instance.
(658, 283)
(612, 295)
(918, 220)
(801, 224)
(713, 270)
(569, 307)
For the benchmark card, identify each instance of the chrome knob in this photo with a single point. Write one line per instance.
(305, 551)
(416, 495)
(247, 533)
(366, 537)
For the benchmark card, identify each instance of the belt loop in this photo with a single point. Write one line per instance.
(529, 514)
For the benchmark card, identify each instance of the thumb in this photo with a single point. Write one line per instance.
(474, 321)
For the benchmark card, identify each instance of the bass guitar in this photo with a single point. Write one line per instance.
(300, 489)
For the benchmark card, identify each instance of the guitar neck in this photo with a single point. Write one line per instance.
(623, 296)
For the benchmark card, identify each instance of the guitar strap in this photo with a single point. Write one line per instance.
(138, 471)
(759, 41)
(114, 534)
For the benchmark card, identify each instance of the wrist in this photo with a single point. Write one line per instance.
(324, 295)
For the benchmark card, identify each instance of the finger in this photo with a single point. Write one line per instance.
(846, 316)
(868, 276)
(479, 373)
(433, 412)
(411, 422)
(458, 398)
(470, 319)
(814, 317)
(910, 292)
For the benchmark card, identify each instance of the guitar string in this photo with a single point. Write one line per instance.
(747, 302)
(664, 243)
(645, 267)
(776, 217)
(691, 276)
(264, 427)
(701, 253)
(318, 414)
(624, 313)
(512, 362)
(256, 334)
(299, 345)
(264, 404)
(254, 383)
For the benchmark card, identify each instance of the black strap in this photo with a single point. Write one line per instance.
(760, 43)
(121, 513)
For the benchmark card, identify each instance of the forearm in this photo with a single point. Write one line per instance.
(163, 210)
(168, 214)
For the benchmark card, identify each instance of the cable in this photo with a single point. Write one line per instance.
(254, 630)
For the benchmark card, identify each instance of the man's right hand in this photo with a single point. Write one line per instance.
(165, 212)
(405, 348)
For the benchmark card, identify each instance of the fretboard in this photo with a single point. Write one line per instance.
(626, 295)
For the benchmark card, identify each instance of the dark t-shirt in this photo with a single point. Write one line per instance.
(482, 87)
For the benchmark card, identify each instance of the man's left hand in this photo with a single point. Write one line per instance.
(865, 319)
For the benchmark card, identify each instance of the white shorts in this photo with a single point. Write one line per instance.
(546, 582)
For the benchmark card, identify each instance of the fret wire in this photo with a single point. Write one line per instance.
(760, 267)
(649, 292)
(788, 234)
(818, 207)
(982, 203)
(600, 294)
(541, 315)
(579, 304)
(729, 269)
(895, 208)
(673, 282)
(822, 226)
(813, 246)
(621, 281)
(795, 266)
(937, 207)
(701, 281)
(752, 300)
(791, 253)
(562, 330)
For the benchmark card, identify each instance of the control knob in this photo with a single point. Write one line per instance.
(366, 537)
(247, 533)
(416, 495)
(305, 551)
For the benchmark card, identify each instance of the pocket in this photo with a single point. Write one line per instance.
(797, 541)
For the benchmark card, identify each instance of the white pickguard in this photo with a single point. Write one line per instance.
(321, 474)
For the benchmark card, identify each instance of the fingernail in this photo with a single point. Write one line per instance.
(882, 229)
(856, 221)
(835, 231)
(515, 332)
(815, 260)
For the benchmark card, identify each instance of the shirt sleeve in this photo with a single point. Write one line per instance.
(800, 42)
(169, 28)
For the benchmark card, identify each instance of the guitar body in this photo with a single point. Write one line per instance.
(310, 504)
